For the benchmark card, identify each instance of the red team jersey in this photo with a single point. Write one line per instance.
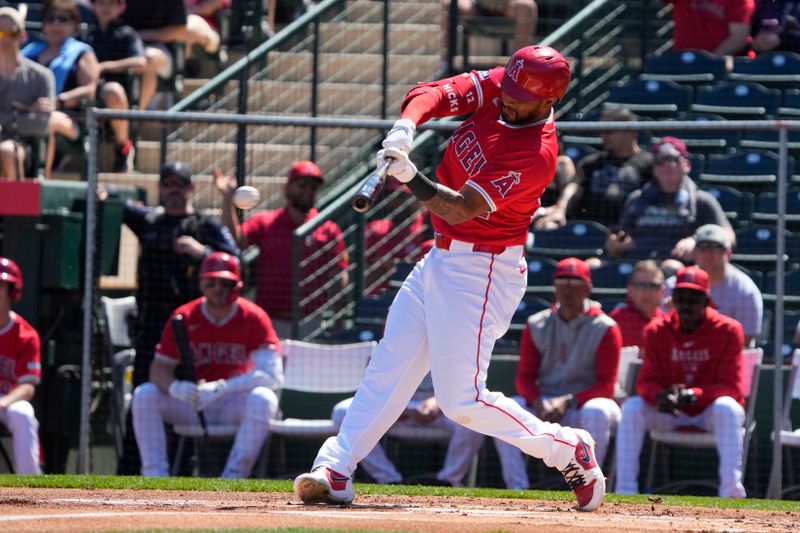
(20, 354)
(703, 24)
(220, 351)
(632, 322)
(511, 171)
(709, 360)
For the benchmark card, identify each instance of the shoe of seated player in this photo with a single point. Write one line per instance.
(323, 485)
(583, 474)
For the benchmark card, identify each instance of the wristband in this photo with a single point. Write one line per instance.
(421, 187)
(572, 401)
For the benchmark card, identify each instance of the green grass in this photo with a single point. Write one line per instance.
(266, 485)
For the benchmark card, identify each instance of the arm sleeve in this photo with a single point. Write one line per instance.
(454, 96)
(135, 44)
(167, 348)
(740, 12)
(527, 380)
(251, 229)
(134, 217)
(606, 365)
(220, 238)
(728, 380)
(709, 211)
(29, 367)
(647, 384)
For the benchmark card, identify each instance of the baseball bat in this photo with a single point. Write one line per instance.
(369, 191)
(187, 364)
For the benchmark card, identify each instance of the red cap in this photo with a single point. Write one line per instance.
(572, 267)
(692, 278)
(301, 169)
(670, 146)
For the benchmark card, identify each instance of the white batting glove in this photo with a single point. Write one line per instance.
(400, 166)
(209, 392)
(401, 136)
(185, 391)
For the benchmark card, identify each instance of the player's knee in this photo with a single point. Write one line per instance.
(264, 401)
(21, 416)
(145, 397)
(633, 406)
(727, 408)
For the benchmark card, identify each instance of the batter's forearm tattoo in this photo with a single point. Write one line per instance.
(447, 204)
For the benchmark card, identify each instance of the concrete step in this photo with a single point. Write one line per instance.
(359, 37)
(416, 12)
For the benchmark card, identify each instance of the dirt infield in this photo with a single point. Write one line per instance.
(59, 510)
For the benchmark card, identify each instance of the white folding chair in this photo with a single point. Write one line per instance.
(627, 371)
(790, 438)
(120, 354)
(316, 377)
(751, 370)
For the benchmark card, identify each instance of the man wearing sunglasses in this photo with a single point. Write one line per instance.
(27, 95)
(658, 220)
(645, 291)
(691, 377)
(734, 293)
(235, 356)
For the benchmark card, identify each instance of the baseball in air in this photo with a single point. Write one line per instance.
(246, 197)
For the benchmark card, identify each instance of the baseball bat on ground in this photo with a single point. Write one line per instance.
(370, 189)
(187, 364)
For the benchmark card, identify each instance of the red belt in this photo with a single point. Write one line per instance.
(445, 242)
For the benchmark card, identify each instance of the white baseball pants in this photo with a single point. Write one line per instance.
(446, 318)
(21, 421)
(598, 416)
(252, 411)
(724, 417)
(376, 463)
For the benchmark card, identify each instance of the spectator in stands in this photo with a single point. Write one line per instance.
(691, 377)
(236, 361)
(524, 12)
(20, 372)
(645, 291)
(206, 11)
(422, 412)
(174, 239)
(74, 65)
(733, 292)
(567, 372)
(543, 219)
(119, 50)
(776, 26)
(659, 219)
(395, 234)
(605, 179)
(325, 273)
(718, 26)
(161, 23)
(27, 95)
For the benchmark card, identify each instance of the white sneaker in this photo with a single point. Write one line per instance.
(323, 485)
(583, 474)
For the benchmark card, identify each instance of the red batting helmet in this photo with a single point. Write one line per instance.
(536, 72)
(220, 265)
(10, 272)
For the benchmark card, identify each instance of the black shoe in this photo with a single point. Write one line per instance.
(123, 157)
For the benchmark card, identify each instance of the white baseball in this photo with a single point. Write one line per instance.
(246, 197)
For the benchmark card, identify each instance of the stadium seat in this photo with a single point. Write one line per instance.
(694, 67)
(611, 279)
(766, 208)
(577, 238)
(756, 247)
(657, 99)
(791, 288)
(737, 100)
(787, 435)
(751, 370)
(790, 104)
(708, 141)
(778, 70)
(750, 171)
(541, 271)
(738, 205)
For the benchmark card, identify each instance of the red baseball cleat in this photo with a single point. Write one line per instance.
(583, 475)
(323, 485)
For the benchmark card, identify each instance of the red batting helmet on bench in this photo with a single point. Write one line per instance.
(536, 72)
(10, 273)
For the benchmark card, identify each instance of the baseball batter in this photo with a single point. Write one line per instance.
(234, 350)
(461, 296)
(20, 372)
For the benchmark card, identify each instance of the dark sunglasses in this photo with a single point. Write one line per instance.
(10, 33)
(709, 246)
(688, 298)
(225, 283)
(645, 285)
(668, 159)
(63, 18)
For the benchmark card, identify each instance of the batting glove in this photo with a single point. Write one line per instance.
(401, 136)
(209, 392)
(185, 391)
(400, 166)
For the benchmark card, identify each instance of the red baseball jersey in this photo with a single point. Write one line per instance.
(509, 165)
(220, 351)
(709, 360)
(632, 323)
(20, 354)
(272, 232)
(703, 24)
